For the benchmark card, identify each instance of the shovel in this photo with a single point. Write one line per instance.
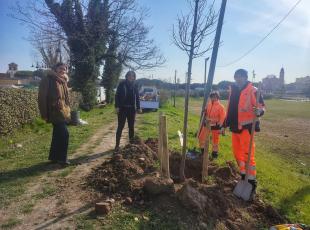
(243, 188)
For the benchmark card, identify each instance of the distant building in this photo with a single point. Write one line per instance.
(302, 83)
(281, 77)
(271, 84)
(13, 68)
(13, 78)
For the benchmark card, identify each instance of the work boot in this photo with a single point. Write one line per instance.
(214, 154)
(254, 186)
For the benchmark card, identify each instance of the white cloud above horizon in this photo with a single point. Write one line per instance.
(295, 30)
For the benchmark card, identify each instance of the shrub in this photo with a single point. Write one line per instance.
(17, 107)
(20, 106)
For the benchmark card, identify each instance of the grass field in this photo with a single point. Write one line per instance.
(282, 151)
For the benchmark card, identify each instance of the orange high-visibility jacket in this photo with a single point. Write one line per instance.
(216, 113)
(247, 101)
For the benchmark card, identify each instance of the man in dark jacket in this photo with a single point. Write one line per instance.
(127, 102)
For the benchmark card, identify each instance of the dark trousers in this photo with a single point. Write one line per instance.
(123, 114)
(60, 141)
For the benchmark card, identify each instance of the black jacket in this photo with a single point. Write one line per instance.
(127, 96)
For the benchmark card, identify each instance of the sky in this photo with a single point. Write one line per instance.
(245, 23)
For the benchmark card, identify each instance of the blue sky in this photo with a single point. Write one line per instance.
(245, 23)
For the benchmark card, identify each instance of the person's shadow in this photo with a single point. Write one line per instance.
(43, 167)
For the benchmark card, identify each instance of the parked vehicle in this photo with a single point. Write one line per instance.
(149, 98)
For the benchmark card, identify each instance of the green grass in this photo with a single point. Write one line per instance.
(136, 219)
(28, 207)
(47, 190)
(66, 171)
(10, 223)
(280, 109)
(129, 219)
(283, 182)
(85, 221)
(22, 165)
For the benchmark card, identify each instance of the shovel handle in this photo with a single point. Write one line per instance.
(252, 135)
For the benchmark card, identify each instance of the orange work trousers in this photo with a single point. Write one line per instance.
(241, 144)
(215, 136)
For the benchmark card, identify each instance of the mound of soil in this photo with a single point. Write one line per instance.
(152, 143)
(123, 175)
(131, 175)
(217, 204)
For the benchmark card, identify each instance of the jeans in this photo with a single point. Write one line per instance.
(59, 144)
(123, 114)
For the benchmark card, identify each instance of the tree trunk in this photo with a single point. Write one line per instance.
(189, 73)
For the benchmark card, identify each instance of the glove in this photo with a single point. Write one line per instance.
(258, 112)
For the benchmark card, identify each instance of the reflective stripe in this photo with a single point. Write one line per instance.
(252, 167)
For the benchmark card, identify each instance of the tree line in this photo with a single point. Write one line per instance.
(222, 85)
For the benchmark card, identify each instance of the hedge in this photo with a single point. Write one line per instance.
(20, 106)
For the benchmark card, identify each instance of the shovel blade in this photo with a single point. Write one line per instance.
(243, 190)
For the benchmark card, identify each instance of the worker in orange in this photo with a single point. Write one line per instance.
(215, 114)
(241, 112)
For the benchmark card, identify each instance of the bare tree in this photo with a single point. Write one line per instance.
(190, 35)
(45, 35)
(128, 44)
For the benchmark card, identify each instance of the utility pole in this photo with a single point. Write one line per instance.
(175, 86)
(253, 78)
(205, 88)
(215, 47)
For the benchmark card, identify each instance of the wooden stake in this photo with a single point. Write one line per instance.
(165, 156)
(205, 159)
(160, 145)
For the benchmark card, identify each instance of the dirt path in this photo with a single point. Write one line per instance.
(58, 196)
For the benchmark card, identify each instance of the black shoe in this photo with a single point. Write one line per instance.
(214, 155)
(53, 162)
(64, 163)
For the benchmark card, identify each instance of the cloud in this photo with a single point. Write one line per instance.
(295, 30)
